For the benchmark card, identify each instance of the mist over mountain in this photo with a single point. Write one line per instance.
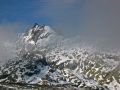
(43, 57)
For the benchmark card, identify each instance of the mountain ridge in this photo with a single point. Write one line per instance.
(43, 59)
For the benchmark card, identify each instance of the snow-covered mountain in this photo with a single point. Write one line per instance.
(43, 59)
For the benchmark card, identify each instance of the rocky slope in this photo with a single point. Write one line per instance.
(43, 59)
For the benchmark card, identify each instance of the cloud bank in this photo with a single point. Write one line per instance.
(96, 22)
(8, 36)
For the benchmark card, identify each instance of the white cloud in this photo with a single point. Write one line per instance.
(8, 36)
(95, 21)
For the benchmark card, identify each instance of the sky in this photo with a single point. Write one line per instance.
(93, 21)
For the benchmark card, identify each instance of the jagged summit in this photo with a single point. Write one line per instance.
(37, 38)
(36, 33)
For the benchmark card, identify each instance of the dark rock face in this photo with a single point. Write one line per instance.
(21, 71)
